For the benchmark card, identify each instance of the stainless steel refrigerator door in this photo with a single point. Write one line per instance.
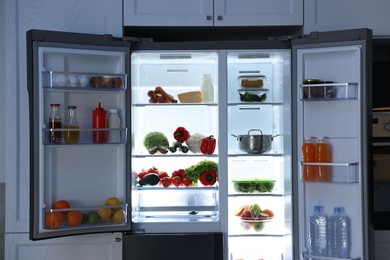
(77, 70)
(338, 108)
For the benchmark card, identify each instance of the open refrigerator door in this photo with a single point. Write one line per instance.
(333, 102)
(78, 168)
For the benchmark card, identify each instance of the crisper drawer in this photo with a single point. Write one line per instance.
(175, 204)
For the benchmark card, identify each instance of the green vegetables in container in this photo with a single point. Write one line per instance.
(253, 185)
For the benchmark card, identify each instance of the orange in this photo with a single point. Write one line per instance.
(54, 219)
(74, 218)
(61, 204)
(268, 212)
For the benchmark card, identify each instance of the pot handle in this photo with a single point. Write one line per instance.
(237, 136)
(273, 136)
(251, 130)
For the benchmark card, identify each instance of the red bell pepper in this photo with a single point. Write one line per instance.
(181, 134)
(207, 146)
(208, 178)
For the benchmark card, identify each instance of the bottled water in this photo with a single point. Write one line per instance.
(339, 234)
(318, 236)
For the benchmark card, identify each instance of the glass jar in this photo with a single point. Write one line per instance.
(71, 133)
(55, 123)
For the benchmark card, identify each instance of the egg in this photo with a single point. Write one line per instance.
(73, 81)
(84, 80)
(60, 80)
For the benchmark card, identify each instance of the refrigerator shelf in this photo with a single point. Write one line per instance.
(80, 80)
(329, 91)
(174, 105)
(177, 154)
(193, 188)
(267, 154)
(314, 257)
(339, 172)
(257, 194)
(254, 103)
(85, 136)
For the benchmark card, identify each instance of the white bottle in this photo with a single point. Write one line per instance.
(207, 88)
(114, 136)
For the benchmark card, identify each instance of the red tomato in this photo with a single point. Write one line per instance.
(177, 181)
(187, 182)
(163, 174)
(166, 181)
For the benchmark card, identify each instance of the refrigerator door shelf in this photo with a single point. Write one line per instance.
(85, 134)
(92, 81)
(329, 91)
(339, 172)
(93, 216)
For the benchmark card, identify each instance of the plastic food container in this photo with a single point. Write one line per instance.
(252, 94)
(253, 185)
(251, 81)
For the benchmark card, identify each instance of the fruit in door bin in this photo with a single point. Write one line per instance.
(54, 219)
(118, 216)
(74, 218)
(113, 201)
(105, 214)
(61, 204)
(93, 218)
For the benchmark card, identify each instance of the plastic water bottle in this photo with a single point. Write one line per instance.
(318, 233)
(339, 234)
(114, 135)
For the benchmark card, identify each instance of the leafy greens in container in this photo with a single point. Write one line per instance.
(253, 185)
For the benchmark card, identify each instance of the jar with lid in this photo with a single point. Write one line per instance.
(114, 123)
(55, 123)
(71, 133)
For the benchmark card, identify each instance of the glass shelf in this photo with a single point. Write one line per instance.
(339, 172)
(329, 91)
(307, 256)
(77, 80)
(85, 135)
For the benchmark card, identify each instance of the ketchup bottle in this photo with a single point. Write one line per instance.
(99, 121)
(308, 155)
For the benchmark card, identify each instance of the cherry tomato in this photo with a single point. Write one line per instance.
(177, 181)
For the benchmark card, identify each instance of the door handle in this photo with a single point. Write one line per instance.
(209, 17)
(219, 17)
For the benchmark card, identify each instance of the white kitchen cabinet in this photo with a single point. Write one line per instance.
(86, 247)
(100, 17)
(212, 12)
(326, 15)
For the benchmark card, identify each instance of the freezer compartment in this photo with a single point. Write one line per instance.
(176, 72)
(337, 172)
(56, 79)
(329, 91)
(181, 204)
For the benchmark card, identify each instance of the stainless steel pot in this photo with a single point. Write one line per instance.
(255, 143)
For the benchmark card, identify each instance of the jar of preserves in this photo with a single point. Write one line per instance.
(71, 133)
(55, 119)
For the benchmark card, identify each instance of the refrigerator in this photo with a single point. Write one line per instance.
(190, 155)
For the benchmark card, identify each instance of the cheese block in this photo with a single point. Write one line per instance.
(190, 97)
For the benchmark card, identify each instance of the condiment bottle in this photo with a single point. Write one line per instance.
(71, 136)
(322, 156)
(114, 123)
(55, 122)
(207, 88)
(308, 155)
(99, 120)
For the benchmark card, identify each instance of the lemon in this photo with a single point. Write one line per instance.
(118, 216)
(113, 201)
(105, 214)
